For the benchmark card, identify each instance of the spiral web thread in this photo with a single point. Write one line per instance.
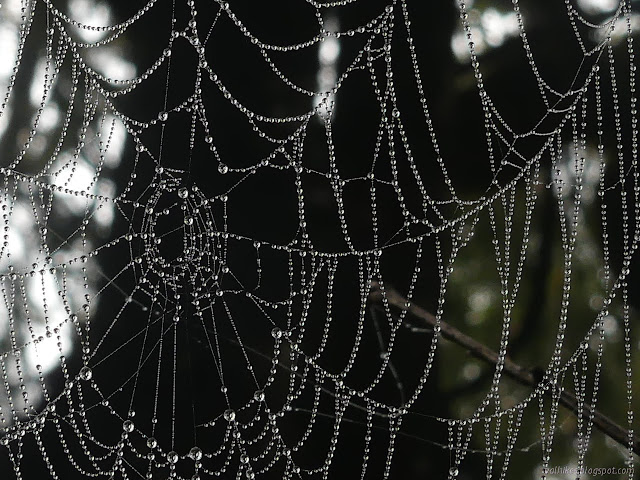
(49, 294)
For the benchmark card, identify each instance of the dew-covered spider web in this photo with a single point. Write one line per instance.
(240, 241)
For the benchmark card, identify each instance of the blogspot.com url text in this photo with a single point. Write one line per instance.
(592, 471)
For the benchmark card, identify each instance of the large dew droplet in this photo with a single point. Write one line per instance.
(172, 457)
(195, 454)
(86, 373)
(128, 426)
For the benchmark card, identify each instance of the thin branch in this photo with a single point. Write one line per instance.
(522, 375)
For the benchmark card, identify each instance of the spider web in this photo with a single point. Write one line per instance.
(222, 323)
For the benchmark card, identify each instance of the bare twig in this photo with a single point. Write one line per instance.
(522, 375)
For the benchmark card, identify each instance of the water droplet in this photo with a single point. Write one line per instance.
(453, 472)
(208, 139)
(276, 333)
(152, 442)
(229, 415)
(258, 396)
(183, 192)
(86, 373)
(128, 426)
(195, 454)
(188, 220)
(244, 458)
(222, 168)
(172, 457)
